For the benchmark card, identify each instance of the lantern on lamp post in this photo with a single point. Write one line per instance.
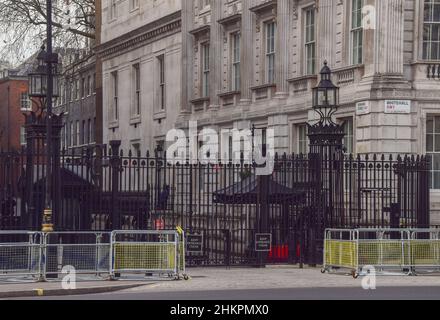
(326, 136)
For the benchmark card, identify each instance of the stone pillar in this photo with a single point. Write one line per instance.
(326, 37)
(216, 49)
(384, 37)
(187, 55)
(390, 24)
(282, 50)
(247, 35)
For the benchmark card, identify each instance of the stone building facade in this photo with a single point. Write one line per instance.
(141, 63)
(255, 62)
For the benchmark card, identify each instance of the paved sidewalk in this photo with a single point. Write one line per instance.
(219, 279)
(278, 277)
(22, 289)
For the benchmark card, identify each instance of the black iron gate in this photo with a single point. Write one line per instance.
(226, 203)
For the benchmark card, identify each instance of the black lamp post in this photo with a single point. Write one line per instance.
(159, 157)
(43, 86)
(326, 136)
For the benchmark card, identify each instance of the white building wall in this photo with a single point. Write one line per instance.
(139, 37)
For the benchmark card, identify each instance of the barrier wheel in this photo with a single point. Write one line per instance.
(355, 274)
(323, 270)
(185, 277)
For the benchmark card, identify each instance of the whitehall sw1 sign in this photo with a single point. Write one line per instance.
(398, 106)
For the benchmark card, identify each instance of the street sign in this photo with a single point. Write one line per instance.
(194, 243)
(263, 242)
(398, 106)
(363, 108)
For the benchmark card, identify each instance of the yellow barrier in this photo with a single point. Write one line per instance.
(384, 253)
(131, 256)
(425, 253)
(342, 254)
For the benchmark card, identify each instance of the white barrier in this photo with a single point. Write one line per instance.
(20, 255)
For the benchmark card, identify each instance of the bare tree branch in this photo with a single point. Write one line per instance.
(23, 26)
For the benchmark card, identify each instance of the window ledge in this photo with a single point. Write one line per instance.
(159, 115)
(232, 19)
(113, 124)
(229, 98)
(264, 7)
(135, 119)
(200, 104)
(303, 83)
(263, 92)
(263, 86)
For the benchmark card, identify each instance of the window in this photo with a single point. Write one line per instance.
(66, 135)
(204, 3)
(93, 130)
(94, 83)
(25, 102)
(235, 72)
(134, 4)
(77, 137)
(303, 140)
(433, 149)
(136, 147)
(356, 31)
(136, 90)
(431, 30)
(83, 140)
(72, 90)
(349, 136)
(115, 95)
(83, 87)
(89, 86)
(89, 131)
(310, 44)
(22, 136)
(270, 52)
(77, 88)
(113, 9)
(162, 97)
(263, 140)
(205, 70)
(72, 134)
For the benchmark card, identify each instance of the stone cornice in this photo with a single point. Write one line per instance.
(154, 31)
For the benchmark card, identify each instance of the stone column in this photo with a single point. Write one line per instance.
(247, 35)
(216, 49)
(384, 37)
(326, 26)
(389, 50)
(282, 48)
(187, 55)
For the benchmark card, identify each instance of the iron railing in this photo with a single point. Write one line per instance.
(106, 189)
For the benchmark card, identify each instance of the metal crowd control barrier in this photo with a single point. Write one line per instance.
(389, 251)
(20, 255)
(147, 252)
(425, 251)
(88, 253)
(341, 250)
